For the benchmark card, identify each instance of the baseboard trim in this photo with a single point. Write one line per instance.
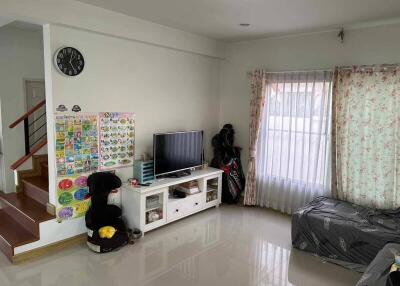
(49, 249)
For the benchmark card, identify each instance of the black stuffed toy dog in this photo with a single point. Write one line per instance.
(101, 214)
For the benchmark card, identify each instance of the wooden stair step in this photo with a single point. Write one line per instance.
(27, 206)
(37, 188)
(12, 234)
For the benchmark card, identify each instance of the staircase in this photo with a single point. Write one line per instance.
(23, 211)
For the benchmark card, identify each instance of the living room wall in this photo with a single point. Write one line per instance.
(168, 77)
(373, 45)
(167, 89)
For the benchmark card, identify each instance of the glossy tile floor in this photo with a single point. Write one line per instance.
(230, 245)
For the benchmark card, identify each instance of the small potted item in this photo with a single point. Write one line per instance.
(133, 182)
(136, 233)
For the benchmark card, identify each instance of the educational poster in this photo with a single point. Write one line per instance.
(116, 140)
(76, 144)
(73, 199)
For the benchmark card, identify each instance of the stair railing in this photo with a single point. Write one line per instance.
(32, 144)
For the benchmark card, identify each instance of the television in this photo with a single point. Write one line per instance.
(177, 152)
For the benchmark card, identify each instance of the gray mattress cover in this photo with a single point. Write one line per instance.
(378, 271)
(344, 233)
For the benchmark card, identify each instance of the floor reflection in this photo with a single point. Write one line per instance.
(226, 246)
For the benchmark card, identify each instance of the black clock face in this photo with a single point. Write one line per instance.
(69, 61)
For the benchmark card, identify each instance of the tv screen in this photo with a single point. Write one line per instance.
(177, 151)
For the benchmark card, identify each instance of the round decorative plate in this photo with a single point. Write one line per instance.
(81, 194)
(65, 198)
(81, 181)
(66, 213)
(65, 184)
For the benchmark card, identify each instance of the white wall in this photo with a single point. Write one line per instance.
(376, 45)
(168, 90)
(21, 57)
(168, 77)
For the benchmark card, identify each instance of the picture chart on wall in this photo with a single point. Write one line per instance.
(117, 140)
(76, 144)
(87, 143)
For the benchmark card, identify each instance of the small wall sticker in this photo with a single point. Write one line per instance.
(61, 108)
(76, 108)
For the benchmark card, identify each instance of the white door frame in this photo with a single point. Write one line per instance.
(25, 82)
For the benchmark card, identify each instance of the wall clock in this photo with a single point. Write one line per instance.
(69, 61)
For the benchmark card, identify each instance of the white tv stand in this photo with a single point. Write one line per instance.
(147, 208)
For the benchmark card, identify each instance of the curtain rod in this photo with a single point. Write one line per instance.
(294, 71)
(332, 69)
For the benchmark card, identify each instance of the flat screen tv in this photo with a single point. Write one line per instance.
(177, 152)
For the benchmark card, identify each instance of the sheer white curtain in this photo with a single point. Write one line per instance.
(292, 162)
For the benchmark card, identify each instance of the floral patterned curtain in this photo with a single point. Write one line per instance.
(256, 109)
(366, 133)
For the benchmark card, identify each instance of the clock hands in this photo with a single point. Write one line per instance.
(70, 62)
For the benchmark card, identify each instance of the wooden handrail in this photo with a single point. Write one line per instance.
(29, 112)
(35, 148)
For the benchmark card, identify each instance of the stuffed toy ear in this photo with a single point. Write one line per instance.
(103, 182)
(112, 181)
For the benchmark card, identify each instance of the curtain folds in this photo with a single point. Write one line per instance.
(258, 83)
(366, 133)
(292, 159)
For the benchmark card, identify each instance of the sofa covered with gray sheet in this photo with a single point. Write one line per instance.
(344, 233)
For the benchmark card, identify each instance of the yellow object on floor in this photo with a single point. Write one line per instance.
(107, 232)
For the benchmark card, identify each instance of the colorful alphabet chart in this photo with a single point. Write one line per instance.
(76, 144)
(73, 199)
(116, 140)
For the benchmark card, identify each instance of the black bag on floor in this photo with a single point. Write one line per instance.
(227, 158)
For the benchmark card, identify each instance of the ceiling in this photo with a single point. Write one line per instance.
(219, 19)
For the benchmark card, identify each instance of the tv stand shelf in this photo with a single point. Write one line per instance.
(150, 207)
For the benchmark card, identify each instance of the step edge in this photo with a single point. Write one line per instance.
(33, 219)
(18, 210)
(27, 241)
(33, 185)
(5, 240)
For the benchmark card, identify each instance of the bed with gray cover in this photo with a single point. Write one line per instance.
(344, 233)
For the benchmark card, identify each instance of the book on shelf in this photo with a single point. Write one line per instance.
(189, 185)
(190, 191)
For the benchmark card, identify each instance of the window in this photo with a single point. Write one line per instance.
(293, 146)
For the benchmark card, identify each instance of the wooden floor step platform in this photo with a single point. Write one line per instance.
(25, 205)
(13, 234)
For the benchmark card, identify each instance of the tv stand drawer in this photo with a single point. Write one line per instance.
(175, 211)
(194, 203)
(186, 206)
